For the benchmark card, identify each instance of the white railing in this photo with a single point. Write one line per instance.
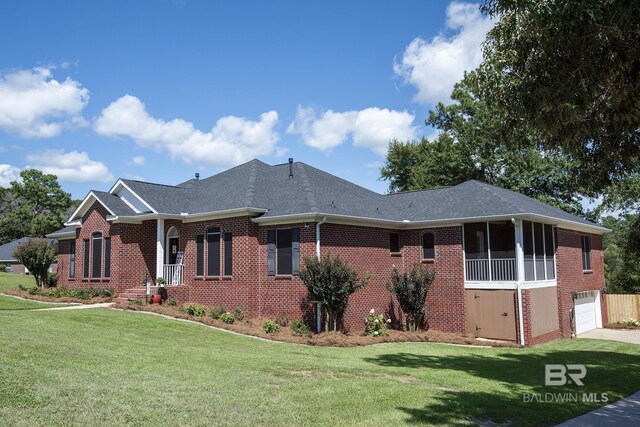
(172, 274)
(502, 269)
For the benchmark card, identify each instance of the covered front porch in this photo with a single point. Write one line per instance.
(169, 258)
(504, 253)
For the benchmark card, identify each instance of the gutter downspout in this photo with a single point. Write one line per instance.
(318, 308)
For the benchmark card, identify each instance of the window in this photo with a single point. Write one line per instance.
(86, 259)
(213, 252)
(72, 259)
(107, 257)
(428, 249)
(283, 252)
(96, 266)
(200, 255)
(394, 242)
(228, 254)
(586, 253)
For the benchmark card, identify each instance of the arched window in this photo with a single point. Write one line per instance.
(428, 246)
(96, 265)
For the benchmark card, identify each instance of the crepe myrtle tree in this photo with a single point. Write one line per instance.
(37, 255)
(410, 290)
(330, 281)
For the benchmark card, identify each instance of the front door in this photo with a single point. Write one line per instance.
(173, 249)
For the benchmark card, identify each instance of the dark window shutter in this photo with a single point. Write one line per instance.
(72, 259)
(228, 254)
(107, 257)
(213, 252)
(295, 250)
(200, 255)
(96, 267)
(271, 252)
(86, 259)
(394, 242)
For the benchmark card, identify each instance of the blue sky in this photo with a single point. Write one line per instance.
(159, 90)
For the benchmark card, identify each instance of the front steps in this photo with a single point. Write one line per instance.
(132, 294)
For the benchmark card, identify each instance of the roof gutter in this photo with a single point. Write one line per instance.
(184, 217)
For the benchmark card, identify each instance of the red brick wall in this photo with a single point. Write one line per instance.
(572, 278)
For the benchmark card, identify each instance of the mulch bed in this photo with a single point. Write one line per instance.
(27, 295)
(253, 327)
(621, 326)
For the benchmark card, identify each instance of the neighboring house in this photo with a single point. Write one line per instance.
(239, 239)
(7, 258)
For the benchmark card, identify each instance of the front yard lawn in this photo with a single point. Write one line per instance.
(101, 366)
(12, 280)
(9, 303)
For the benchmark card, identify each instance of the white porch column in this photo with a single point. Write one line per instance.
(519, 251)
(520, 278)
(159, 247)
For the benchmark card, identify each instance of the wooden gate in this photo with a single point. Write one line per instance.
(491, 314)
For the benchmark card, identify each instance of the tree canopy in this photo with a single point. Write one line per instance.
(34, 206)
(571, 71)
(474, 143)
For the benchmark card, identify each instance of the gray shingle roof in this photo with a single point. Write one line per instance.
(114, 203)
(256, 184)
(6, 250)
(62, 231)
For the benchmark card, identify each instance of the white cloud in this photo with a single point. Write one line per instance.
(35, 105)
(233, 140)
(370, 128)
(138, 161)
(435, 66)
(8, 173)
(72, 166)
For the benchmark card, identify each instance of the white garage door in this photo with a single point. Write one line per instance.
(585, 312)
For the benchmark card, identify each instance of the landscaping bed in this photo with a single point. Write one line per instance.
(82, 296)
(619, 325)
(286, 333)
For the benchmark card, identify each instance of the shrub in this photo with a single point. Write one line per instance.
(137, 301)
(217, 311)
(271, 327)
(239, 313)
(33, 291)
(52, 280)
(331, 281)
(375, 324)
(164, 295)
(2, 267)
(282, 320)
(630, 322)
(159, 281)
(300, 329)
(196, 310)
(37, 255)
(172, 301)
(227, 318)
(411, 291)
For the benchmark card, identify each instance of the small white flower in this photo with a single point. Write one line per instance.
(375, 333)
(372, 311)
(388, 320)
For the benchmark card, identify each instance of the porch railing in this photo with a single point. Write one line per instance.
(173, 274)
(502, 269)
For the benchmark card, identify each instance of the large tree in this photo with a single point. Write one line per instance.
(570, 70)
(34, 206)
(621, 257)
(474, 143)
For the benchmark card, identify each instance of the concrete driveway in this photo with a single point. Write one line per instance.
(632, 337)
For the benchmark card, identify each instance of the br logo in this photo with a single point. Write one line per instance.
(557, 374)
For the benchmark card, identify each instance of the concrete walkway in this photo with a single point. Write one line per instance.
(624, 412)
(77, 307)
(622, 335)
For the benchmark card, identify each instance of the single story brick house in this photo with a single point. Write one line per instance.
(507, 266)
(11, 263)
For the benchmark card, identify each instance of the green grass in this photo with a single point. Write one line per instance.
(11, 281)
(9, 303)
(101, 366)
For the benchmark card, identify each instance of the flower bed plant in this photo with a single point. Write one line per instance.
(299, 332)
